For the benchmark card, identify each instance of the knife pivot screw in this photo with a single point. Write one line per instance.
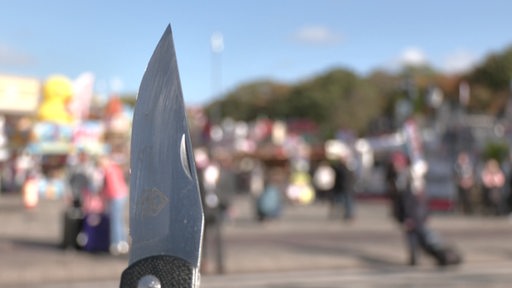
(149, 281)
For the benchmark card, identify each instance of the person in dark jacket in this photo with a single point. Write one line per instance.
(410, 208)
(465, 180)
(82, 179)
(216, 178)
(394, 164)
(343, 189)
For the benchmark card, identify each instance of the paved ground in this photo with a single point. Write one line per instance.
(302, 249)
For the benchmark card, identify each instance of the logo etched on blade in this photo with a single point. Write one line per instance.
(152, 202)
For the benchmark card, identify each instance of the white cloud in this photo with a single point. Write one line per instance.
(459, 61)
(316, 35)
(11, 57)
(412, 56)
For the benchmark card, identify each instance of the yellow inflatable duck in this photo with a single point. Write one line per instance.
(57, 93)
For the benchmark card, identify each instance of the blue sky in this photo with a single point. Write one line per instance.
(287, 40)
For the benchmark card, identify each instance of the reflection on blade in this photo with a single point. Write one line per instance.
(166, 216)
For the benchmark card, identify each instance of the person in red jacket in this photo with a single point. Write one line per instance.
(115, 192)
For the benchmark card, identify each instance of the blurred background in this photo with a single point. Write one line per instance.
(297, 112)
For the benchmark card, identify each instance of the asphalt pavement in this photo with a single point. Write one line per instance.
(301, 249)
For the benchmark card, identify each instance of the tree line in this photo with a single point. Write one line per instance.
(342, 99)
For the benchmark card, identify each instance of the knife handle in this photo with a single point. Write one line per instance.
(169, 271)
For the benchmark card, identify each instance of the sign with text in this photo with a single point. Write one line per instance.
(19, 95)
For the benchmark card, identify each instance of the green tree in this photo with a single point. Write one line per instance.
(129, 99)
(495, 72)
(251, 100)
(339, 98)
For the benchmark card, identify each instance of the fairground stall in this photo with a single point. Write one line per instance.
(19, 100)
(56, 136)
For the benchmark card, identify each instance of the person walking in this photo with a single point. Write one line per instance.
(410, 209)
(223, 189)
(395, 164)
(465, 181)
(115, 192)
(343, 189)
(84, 179)
(84, 182)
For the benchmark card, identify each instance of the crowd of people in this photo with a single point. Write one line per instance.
(98, 190)
(485, 191)
(98, 194)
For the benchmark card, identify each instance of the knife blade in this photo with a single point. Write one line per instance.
(166, 215)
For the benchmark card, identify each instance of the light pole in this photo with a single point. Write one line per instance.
(217, 47)
(213, 230)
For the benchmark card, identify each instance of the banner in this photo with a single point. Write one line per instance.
(83, 88)
(19, 95)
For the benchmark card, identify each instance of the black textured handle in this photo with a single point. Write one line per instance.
(171, 272)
